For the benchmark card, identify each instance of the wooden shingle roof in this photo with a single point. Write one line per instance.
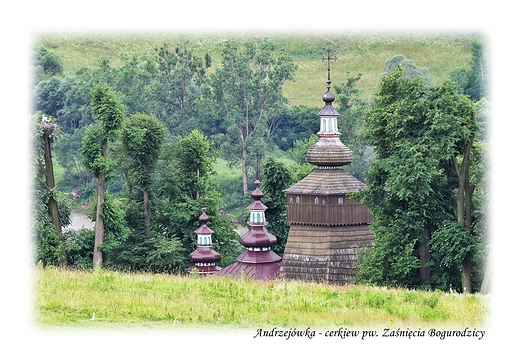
(327, 181)
(329, 152)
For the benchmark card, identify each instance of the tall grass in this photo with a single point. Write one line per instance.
(72, 298)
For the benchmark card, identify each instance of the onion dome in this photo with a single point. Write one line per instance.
(328, 110)
(204, 257)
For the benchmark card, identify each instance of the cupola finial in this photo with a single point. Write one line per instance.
(328, 97)
(328, 59)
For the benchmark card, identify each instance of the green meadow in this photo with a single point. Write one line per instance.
(85, 299)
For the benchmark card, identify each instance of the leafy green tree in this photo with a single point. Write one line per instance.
(142, 138)
(48, 96)
(246, 92)
(451, 245)
(67, 99)
(75, 111)
(410, 69)
(414, 130)
(108, 111)
(135, 82)
(80, 247)
(50, 63)
(180, 74)
(141, 250)
(277, 178)
(296, 123)
(184, 187)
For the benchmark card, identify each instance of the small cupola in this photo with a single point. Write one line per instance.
(258, 238)
(204, 257)
(328, 116)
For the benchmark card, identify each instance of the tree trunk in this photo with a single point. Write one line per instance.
(99, 236)
(424, 254)
(464, 198)
(52, 204)
(147, 220)
(244, 170)
(466, 276)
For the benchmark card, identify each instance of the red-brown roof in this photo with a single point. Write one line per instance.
(205, 254)
(259, 257)
(262, 271)
(258, 237)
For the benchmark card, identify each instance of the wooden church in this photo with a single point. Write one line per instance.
(327, 228)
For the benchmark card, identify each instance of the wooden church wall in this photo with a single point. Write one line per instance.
(325, 254)
(326, 210)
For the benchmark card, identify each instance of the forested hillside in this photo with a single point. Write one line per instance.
(361, 53)
(217, 108)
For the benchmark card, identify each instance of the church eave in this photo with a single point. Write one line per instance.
(328, 111)
(327, 182)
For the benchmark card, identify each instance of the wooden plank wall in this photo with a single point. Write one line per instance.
(326, 210)
(324, 254)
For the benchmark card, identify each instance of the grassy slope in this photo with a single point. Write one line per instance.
(356, 53)
(70, 298)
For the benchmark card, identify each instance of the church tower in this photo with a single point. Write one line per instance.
(204, 257)
(257, 261)
(327, 228)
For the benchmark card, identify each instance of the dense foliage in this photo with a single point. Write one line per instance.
(277, 178)
(245, 95)
(417, 131)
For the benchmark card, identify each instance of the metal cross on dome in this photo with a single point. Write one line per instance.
(328, 59)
